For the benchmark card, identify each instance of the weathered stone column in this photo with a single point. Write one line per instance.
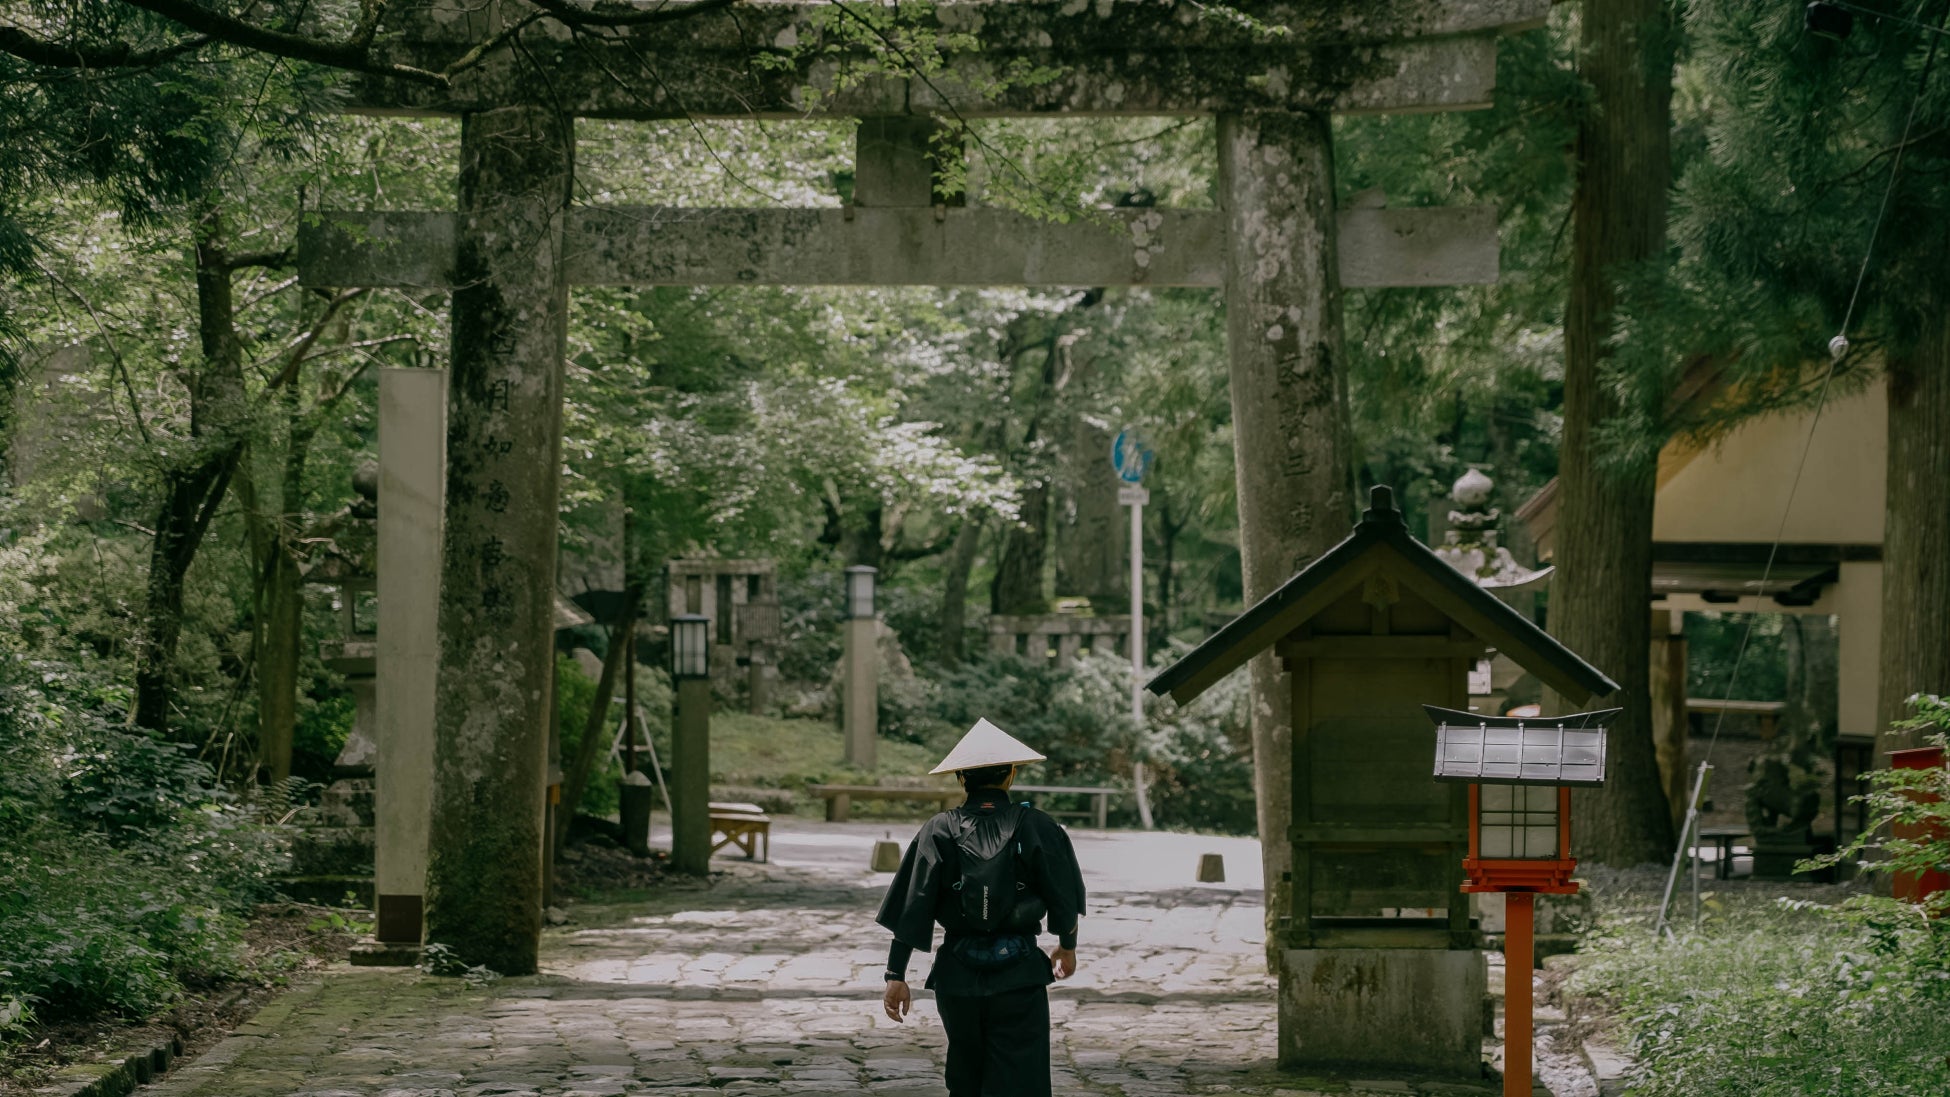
(504, 432)
(1283, 333)
(860, 699)
(412, 467)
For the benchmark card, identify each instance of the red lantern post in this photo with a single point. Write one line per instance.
(1520, 772)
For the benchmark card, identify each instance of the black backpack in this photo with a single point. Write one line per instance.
(989, 896)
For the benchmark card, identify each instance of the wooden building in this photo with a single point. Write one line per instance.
(1381, 938)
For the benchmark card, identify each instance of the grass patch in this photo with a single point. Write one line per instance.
(770, 752)
(1781, 998)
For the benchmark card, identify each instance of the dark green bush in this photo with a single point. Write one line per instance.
(90, 929)
(125, 869)
(130, 785)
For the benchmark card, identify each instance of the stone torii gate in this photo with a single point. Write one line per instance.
(1276, 248)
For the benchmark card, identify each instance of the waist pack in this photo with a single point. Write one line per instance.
(987, 953)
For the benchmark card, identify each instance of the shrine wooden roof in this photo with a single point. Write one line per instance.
(1381, 533)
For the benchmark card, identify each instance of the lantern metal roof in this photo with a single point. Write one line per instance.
(1520, 750)
(1382, 539)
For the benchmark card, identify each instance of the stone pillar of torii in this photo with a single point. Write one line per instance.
(1276, 248)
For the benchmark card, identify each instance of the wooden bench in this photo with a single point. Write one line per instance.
(839, 798)
(743, 825)
(1723, 840)
(1100, 801)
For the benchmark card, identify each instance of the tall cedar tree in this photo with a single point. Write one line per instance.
(1604, 554)
(1774, 221)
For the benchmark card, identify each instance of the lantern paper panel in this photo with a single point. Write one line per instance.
(859, 592)
(1518, 821)
(690, 646)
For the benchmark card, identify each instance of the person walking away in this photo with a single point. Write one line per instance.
(990, 872)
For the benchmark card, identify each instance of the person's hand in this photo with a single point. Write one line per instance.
(1063, 962)
(897, 1001)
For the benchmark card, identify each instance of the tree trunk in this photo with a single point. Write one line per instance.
(193, 492)
(1018, 584)
(1916, 537)
(863, 545)
(1290, 424)
(1604, 556)
(1089, 540)
(279, 609)
(595, 726)
(954, 588)
(504, 440)
(1167, 617)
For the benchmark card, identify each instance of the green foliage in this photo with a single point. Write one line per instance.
(1198, 755)
(809, 622)
(89, 929)
(16, 1016)
(125, 869)
(1797, 137)
(439, 959)
(1794, 1001)
(771, 752)
(132, 785)
(575, 692)
(338, 922)
(1446, 377)
(1712, 645)
(1915, 802)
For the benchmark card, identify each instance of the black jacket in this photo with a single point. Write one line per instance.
(923, 887)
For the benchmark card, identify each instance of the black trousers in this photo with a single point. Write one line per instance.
(998, 1045)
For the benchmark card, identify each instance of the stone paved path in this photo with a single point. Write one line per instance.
(767, 982)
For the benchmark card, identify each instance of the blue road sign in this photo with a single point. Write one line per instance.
(1130, 457)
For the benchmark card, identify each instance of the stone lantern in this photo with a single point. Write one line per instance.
(1471, 545)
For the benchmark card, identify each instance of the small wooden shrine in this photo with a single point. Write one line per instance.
(1381, 938)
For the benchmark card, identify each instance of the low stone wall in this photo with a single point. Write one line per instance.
(1059, 637)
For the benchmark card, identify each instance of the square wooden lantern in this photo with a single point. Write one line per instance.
(1520, 772)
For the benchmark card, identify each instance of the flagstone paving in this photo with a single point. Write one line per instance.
(767, 982)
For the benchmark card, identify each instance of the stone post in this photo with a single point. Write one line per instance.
(1283, 335)
(504, 430)
(860, 703)
(412, 465)
(690, 768)
(758, 693)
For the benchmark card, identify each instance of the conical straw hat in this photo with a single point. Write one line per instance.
(986, 745)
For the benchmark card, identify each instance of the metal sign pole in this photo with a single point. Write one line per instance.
(1130, 460)
(1679, 855)
(1139, 778)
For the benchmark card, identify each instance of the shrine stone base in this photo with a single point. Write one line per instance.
(1336, 1004)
